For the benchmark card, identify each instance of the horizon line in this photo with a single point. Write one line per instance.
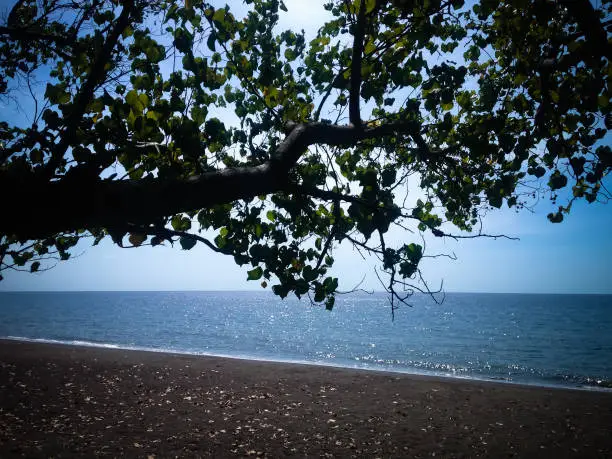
(270, 292)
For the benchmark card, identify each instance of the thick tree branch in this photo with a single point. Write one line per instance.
(355, 90)
(301, 136)
(74, 203)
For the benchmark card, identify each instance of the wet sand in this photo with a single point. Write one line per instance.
(69, 401)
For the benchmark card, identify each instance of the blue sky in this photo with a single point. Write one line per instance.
(572, 257)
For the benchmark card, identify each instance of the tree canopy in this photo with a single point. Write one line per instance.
(157, 122)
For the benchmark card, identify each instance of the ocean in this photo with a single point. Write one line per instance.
(545, 340)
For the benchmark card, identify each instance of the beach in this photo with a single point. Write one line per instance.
(71, 401)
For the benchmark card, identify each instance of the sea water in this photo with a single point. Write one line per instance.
(546, 340)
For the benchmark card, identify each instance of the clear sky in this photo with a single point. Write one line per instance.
(572, 257)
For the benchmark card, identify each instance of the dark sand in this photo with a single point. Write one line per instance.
(64, 401)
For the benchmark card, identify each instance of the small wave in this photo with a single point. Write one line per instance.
(377, 365)
(65, 342)
(580, 382)
(161, 350)
(599, 383)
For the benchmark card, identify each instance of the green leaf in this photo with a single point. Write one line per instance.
(330, 284)
(219, 15)
(556, 217)
(127, 32)
(187, 243)
(156, 240)
(136, 239)
(388, 176)
(57, 94)
(36, 156)
(309, 274)
(138, 102)
(180, 223)
(554, 95)
(255, 274)
(539, 172)
(198, 114)
(557, 181)
(319, 293)
(290, 55)
(496, 201)
(211, 42)
(603, 101)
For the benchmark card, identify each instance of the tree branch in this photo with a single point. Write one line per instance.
(168, 234)
(77, 202)
(354, 96)
(22, 33)
(439, 233)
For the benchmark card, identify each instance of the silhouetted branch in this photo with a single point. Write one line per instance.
(355, 89)
(439, 233)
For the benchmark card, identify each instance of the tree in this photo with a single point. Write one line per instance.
(160, 119)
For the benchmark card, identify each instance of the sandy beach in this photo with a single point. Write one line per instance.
(69, 401)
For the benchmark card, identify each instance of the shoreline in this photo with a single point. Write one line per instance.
(62, 400)
(466, 378)
(256, 290)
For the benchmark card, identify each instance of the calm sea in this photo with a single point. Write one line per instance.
(547, 340)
